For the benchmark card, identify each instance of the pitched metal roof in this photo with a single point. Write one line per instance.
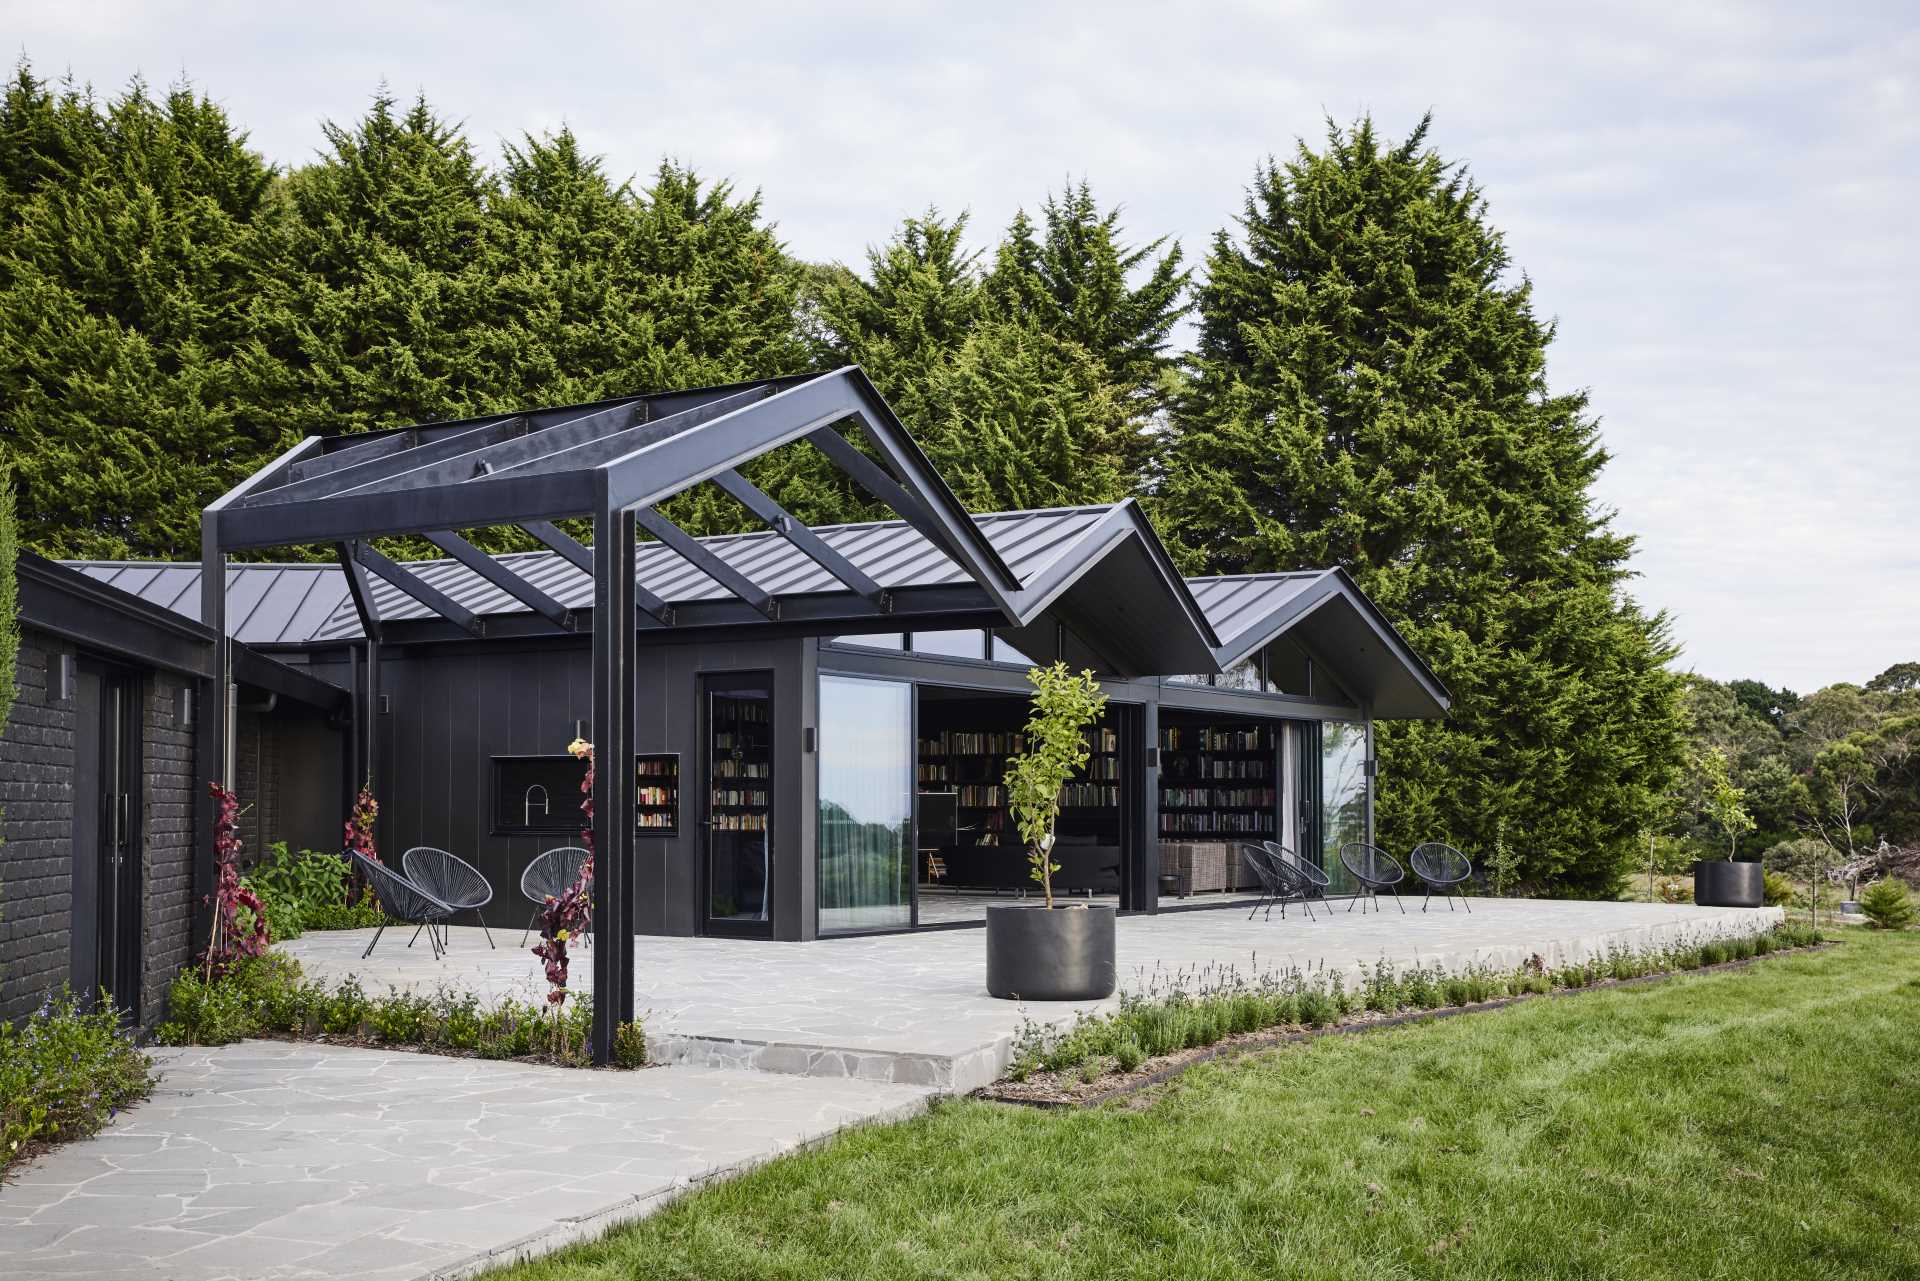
(266, 604)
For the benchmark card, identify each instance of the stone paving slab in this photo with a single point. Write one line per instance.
(913, 1008)
(419, 1166)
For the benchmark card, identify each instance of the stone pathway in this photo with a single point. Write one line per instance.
(913, 1008)
(267, 1161)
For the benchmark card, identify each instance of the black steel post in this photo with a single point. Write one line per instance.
(211, 741)
(614, 658)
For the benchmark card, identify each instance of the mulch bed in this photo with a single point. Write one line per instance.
(1067, 1090)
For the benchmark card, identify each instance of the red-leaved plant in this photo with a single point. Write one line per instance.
(231, 939)
(569, 912)
(359, 833)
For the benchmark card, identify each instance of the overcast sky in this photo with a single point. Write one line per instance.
(1716, 201)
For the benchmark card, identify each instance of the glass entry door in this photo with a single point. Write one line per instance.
(738, 822)
(866, 805)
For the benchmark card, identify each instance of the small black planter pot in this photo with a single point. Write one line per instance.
(1719, 883)
(1061, 955)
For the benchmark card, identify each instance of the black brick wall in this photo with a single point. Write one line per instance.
(36, 793)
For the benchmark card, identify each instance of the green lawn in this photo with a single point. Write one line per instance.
(1762, 1123)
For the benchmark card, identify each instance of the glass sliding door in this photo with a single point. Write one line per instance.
(866, 805)
(1343, 792)
(739, 864)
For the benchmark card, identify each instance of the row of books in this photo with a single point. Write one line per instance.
(955, 742)
(728, 741)
(1179, 738)
(739, 796)
(1205, 823)
(1089, 795)
(727, 767)
(655, 820)
(657, 767)
(739, 822)
(656, 796)
(1215, 796)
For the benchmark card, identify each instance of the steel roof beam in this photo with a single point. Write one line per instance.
(359, 589)
(778, 519)
(580, 557)
(420, 589)
(595, 452)
(503, 578)
(341, 479)
(474, 505)
(485, 458)
(688, 548)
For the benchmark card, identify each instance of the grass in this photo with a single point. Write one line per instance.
(1745, 1124)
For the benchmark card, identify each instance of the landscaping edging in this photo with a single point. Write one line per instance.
(1367, 1021)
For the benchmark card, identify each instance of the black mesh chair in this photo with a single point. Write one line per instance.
(1311, 877)
(549, 876)
(453, 881)
(1278, 881)
(401, 900)
(1373, 869)
(1441, 867)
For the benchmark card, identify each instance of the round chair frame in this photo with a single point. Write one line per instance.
(1369, 866)
(1441, 867)
(551, 873)
(453, 881)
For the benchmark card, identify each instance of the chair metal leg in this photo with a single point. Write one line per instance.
(376, 938)
(1465, 904)
(483, 928)
(1425, 899)
(1397, 901)
(416, 936)
(531, 922)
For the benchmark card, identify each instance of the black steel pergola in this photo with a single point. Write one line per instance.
(614, 462)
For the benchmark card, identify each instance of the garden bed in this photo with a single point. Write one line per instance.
(267, 997)
(64, 1073)
(1102, 1059)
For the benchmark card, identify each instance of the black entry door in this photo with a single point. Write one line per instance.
(107, 806)
(738, 864)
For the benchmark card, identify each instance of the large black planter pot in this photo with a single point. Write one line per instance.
(1718, 883)
(1065, 954)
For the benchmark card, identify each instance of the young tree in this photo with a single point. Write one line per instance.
(1064, 706)
(1369, 391)
(1725, 804)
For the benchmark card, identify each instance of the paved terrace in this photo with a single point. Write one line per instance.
(913, 1008)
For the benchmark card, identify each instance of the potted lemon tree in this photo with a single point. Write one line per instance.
(1725, 882)
(1048, 951)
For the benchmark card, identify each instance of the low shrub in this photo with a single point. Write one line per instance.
(64, 1072)
(268, 995)
(342, 916)
(1190, 1013)
(307, 890)
(1779, 891)
(1887, 905)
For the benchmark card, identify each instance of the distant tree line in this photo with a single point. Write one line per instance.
(1824, 778)
(1368, 387)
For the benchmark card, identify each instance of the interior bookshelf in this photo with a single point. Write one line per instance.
(973, 764)
(1219, 781)
(740, 795)
(657, 793)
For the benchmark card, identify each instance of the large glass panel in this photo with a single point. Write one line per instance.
(1343, 792)
(967, 644)
(740, 803)
(866, 804)
(1244, 674)
(1286, 669)
(1005, 653)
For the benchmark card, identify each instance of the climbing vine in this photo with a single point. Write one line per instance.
(359, 833)
(234, 937)
(569, 912)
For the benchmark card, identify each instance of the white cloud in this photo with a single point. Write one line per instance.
(1713, 199)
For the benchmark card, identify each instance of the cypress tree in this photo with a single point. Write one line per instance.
(1370, 391)
(377, 289)
(126, 358)
(1070, 277)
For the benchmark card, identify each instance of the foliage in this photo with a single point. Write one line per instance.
(1778, 891)
(1202, 1007)
(571, 911)
(306, 890)
(1369, 391)
(131, 378)
(359, 832)
(1887, 905)
(1724, 803)
(1064, 706)
(64, 1072)
(267, 995)
(239, 918)
(9, 593)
